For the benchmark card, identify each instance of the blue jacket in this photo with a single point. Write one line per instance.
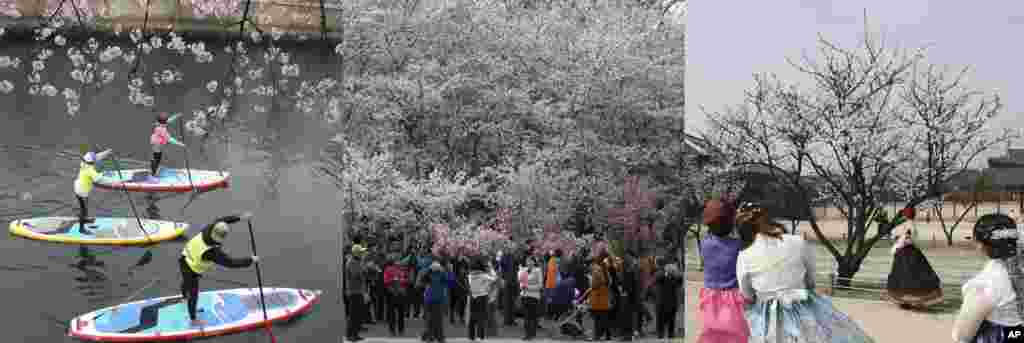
(423, 264)
(437, 291)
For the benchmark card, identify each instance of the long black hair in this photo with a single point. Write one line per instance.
(1001, 238)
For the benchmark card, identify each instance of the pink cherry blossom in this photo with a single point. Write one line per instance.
(216, 8)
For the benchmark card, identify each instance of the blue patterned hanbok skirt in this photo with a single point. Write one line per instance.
(800, 316)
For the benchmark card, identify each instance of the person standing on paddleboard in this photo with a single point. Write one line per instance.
(201, 253)
(158, 139)
(87, 175)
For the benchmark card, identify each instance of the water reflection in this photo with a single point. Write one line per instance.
(270, 145)
(152, 210)
(93, 283)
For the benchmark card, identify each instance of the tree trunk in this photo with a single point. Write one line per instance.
(846, 270)
(700, 252)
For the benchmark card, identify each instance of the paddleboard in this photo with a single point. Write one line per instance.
(105, 231)
(166, 319)
(169, 180)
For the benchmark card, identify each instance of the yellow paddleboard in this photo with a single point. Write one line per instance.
(105, 231)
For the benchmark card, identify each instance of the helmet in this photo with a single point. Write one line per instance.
(358, 250)
(220, 232)
(999, 232)
(162, 118)
(89, 157)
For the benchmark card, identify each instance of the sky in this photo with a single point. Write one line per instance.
(730, 40)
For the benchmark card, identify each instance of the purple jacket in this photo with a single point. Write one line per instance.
(720, 261)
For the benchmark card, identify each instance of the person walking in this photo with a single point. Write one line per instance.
(423, 262)
(435, 298)
(531, 298)
(460, 291)
(564, 293)
(721, 303)
(775, 272)
(396, 282)
(357, 292)
(481, 283)
(992, 310)
(668, 282)
(599, 294)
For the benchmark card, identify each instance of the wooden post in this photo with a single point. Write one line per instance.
(341, 275)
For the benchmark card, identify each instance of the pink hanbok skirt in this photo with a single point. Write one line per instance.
(722, 314)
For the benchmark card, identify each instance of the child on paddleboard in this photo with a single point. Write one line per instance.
(87, 174)
(201, 253)
(158, 139)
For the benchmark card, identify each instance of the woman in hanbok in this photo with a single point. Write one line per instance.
(721, 303)
(912, 282)
(775, 272)
(992, 310)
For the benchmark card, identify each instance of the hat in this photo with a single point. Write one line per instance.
(999, 232)
(220, 232)
(358, 250)
(436, 266)
(89, 157)
(718, 211)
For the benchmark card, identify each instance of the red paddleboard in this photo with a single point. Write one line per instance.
(169, 180)
(166, 319)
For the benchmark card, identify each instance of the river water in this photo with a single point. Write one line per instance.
(271, 159)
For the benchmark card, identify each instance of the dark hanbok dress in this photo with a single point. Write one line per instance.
(912, 281)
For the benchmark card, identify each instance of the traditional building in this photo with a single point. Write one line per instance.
(1007, 174)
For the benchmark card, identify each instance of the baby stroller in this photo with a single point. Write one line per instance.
(570, 323)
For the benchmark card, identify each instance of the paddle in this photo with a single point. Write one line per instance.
(129, 298)
(259, 281)
(192, 197)
(181, 133)
(124, 186)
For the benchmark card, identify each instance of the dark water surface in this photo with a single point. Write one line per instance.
(271, 160)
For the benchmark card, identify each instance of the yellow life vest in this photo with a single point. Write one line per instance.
(87, 174)
(193, 252)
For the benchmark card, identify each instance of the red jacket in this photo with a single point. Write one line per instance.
(397, 273)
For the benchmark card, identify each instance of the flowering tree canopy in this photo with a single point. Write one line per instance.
(875, 121)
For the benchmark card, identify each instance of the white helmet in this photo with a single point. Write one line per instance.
(90, 157)
(220, 232)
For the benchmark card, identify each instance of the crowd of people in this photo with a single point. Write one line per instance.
(759, 287)
(622, 295)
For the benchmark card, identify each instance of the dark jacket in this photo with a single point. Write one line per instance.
(630, 281)
(437, 287)
(216, 254)
(355, 276)
(668, 286)
(565, 291)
